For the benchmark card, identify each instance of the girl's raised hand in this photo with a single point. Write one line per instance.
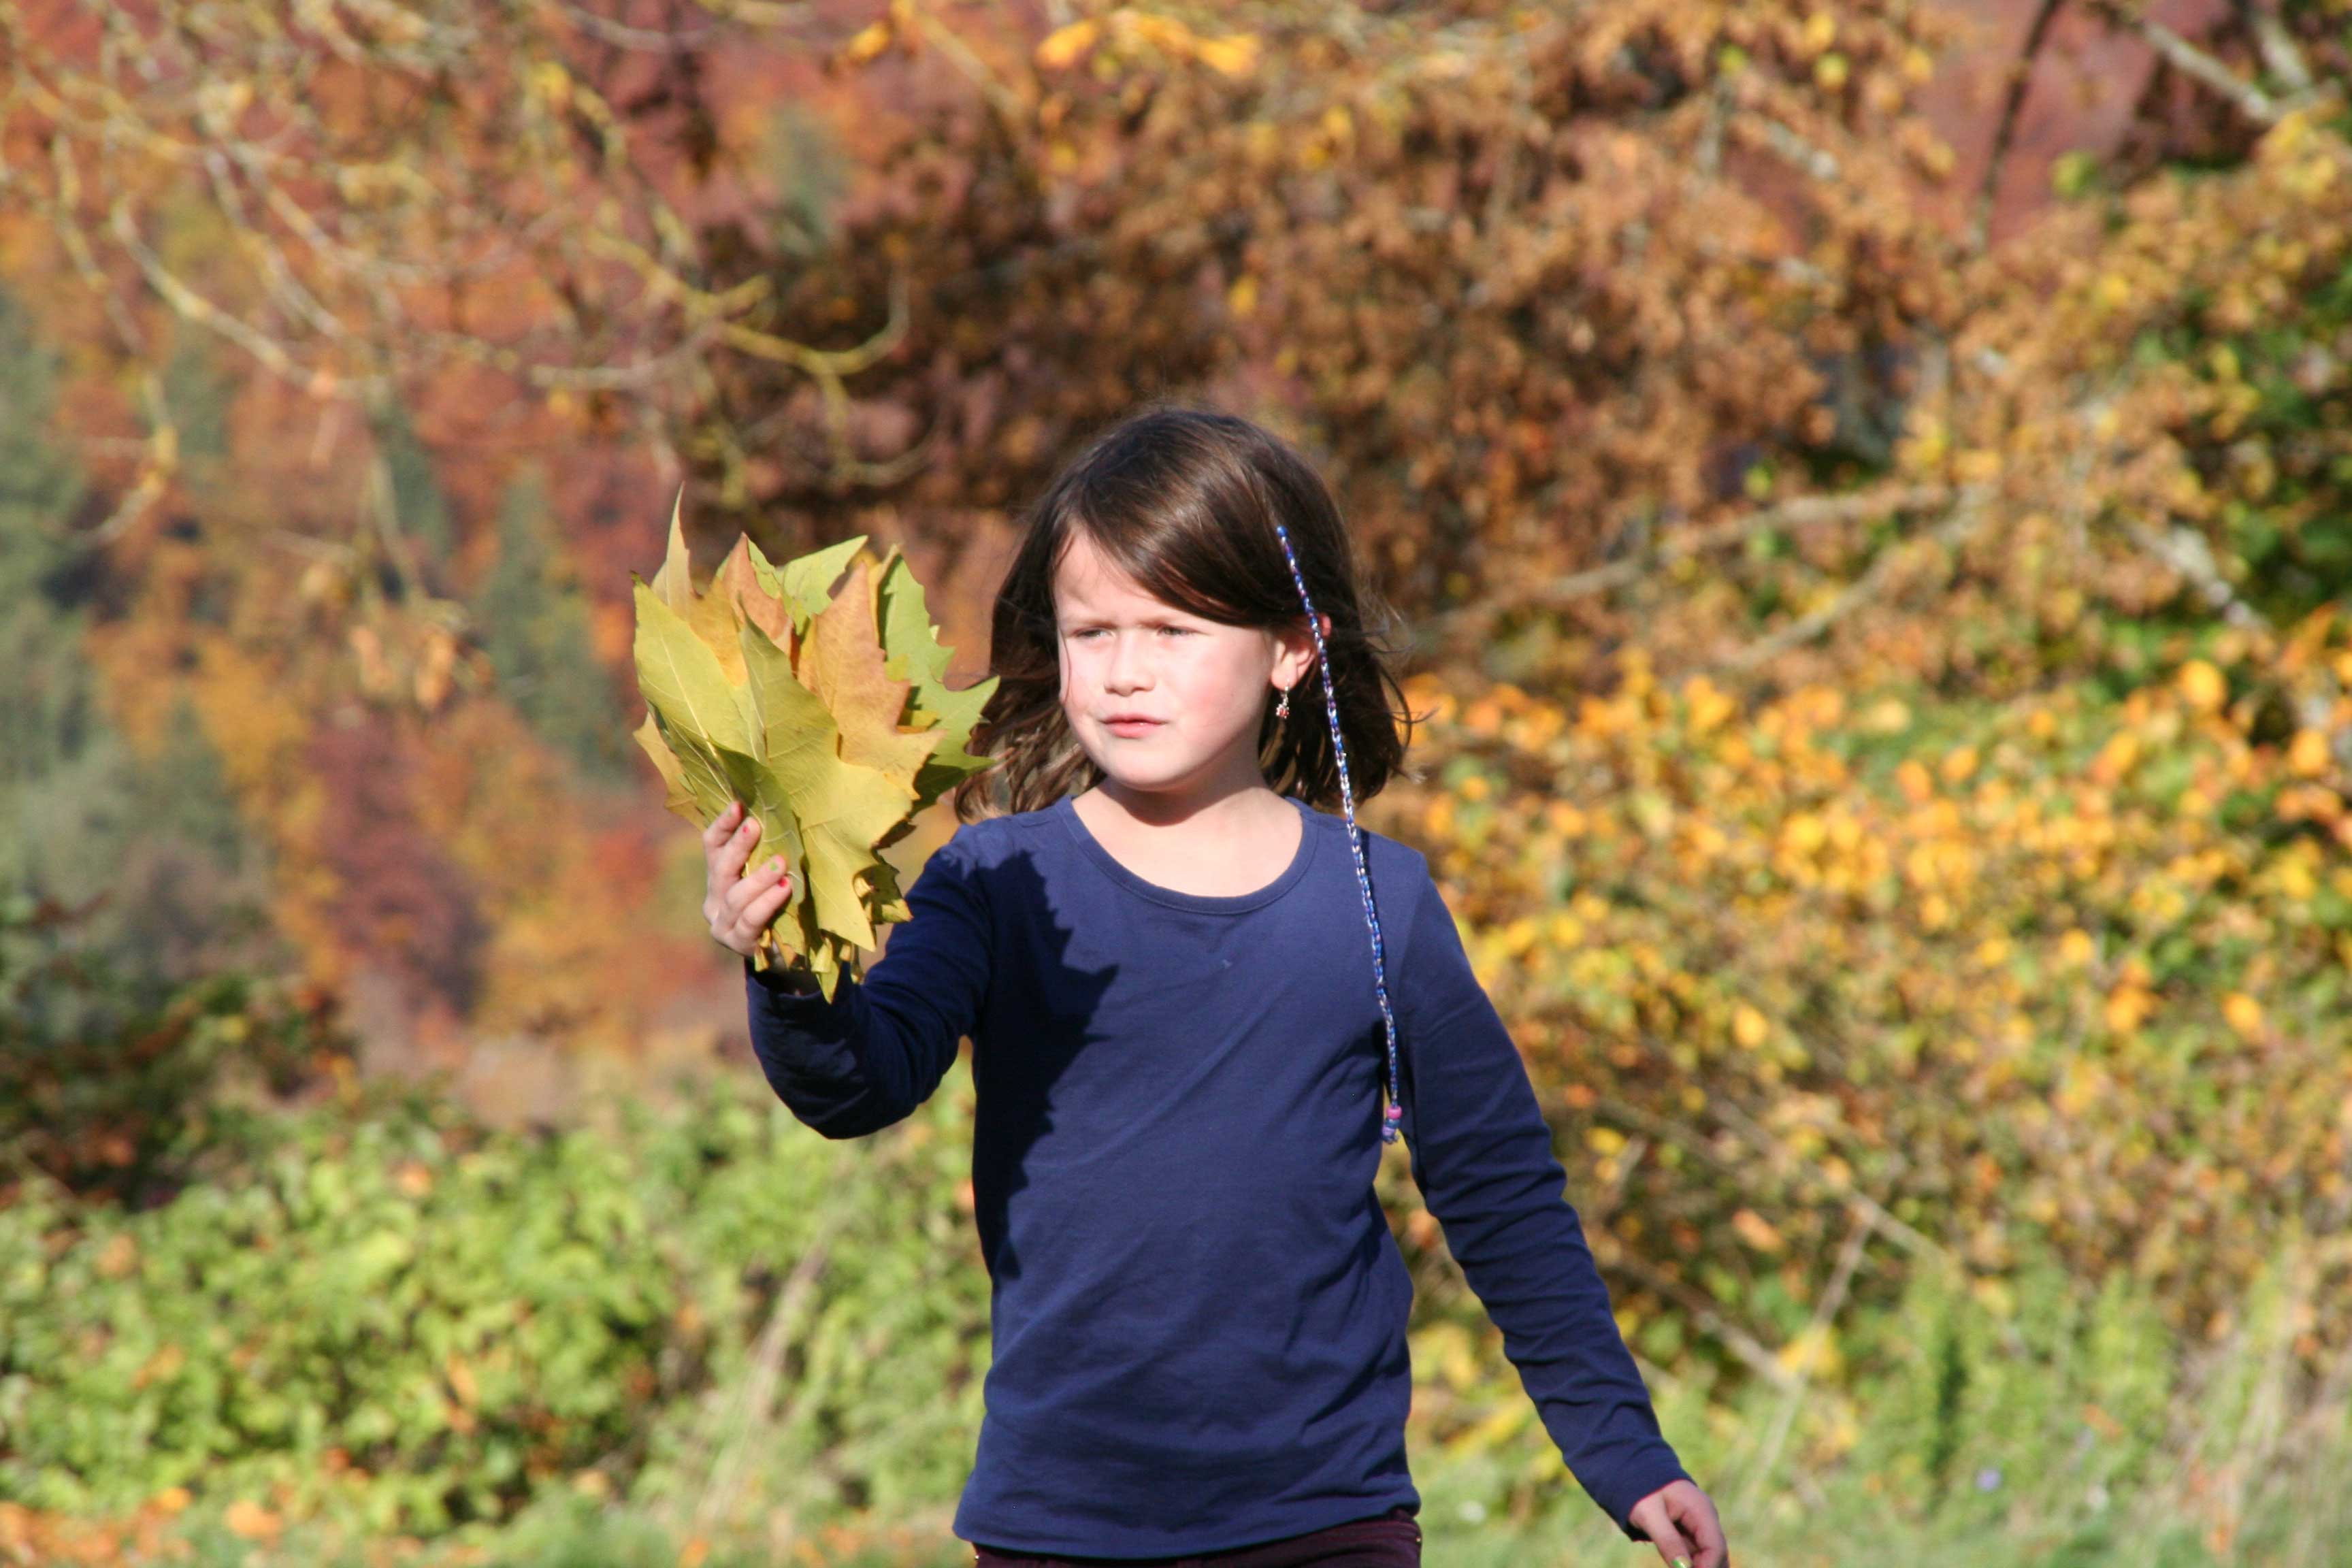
(738, 907)
(1680, 1521)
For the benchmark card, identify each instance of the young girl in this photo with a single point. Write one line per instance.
(1187, 990)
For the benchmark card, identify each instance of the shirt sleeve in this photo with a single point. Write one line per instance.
(879, 1048)
(1481, 1156)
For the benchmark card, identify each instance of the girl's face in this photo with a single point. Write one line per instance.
(1162, 700)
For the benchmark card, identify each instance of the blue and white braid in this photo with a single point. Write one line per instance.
(1394, 1116)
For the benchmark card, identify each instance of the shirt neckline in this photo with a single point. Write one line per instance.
(1067, 809)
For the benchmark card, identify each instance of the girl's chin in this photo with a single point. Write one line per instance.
(1124, 772)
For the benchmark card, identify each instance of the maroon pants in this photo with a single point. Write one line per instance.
(1392, 1539)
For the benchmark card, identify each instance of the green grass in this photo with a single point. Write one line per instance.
(2298, 1516)
(2038, 1418)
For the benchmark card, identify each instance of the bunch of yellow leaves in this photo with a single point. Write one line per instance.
(811, 691)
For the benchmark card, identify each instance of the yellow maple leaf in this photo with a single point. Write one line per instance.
(842, 662)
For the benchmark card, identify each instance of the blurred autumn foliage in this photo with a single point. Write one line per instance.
(1892, 715)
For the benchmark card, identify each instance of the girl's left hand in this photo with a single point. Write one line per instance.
(1680, 1521)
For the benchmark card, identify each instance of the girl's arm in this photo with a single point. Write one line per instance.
(1482, 1155)
(866, 1059)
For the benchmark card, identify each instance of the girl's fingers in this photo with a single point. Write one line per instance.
(755, 898)
(763, 909)
(756, 915)
(1705, 1531)
(728, 855)
(738, 907)
(724, 850)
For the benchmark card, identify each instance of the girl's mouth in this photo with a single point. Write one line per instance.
(1132, 727)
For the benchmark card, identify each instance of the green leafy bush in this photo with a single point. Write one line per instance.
(380, 1312)
(108, 1076)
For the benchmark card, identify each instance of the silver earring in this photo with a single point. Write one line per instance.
(1282, 708)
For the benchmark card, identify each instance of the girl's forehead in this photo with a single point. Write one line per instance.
(1088, 584)
(1085, 576)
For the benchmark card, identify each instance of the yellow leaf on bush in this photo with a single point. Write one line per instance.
(160, 1367)
(2202, 685)
(461, 1382)
(1709, 704)
(250, 1521)
(1565, 817)
(1061, 47)
(551, 83)
(2245, 1014)
(2307, 755)
(1235, 55)
(2116, 758)
(1757, 1231)
(1813, 1353)
(2128, 1007)
(867, 43)
(1995, 1296)
(2294, 876)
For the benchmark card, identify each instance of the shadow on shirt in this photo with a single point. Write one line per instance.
(1038, 1015)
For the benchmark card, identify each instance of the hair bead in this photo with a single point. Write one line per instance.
(1394, 1115)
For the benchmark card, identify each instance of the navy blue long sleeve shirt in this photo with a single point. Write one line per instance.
(1198, 1312)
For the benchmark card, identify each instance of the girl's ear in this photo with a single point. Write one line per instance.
(1298, 648)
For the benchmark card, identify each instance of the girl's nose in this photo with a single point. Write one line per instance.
(1128, 660)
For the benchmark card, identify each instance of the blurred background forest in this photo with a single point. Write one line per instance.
(1866, 484)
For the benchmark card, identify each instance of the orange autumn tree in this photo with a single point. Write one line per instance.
(279, 245)
(1538, 285)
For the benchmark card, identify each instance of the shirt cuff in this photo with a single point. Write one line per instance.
(778, 981)
(1628, 1482)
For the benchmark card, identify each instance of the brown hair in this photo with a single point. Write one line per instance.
(1185, 500)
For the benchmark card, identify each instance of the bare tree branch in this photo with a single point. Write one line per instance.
(1474, 619)
(2276, 47)
(1968, 515)
(2197, 65)
(1752, 1351)
(2021, 75)
(1824, 1313)
(2185, 551)
(365, 233)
